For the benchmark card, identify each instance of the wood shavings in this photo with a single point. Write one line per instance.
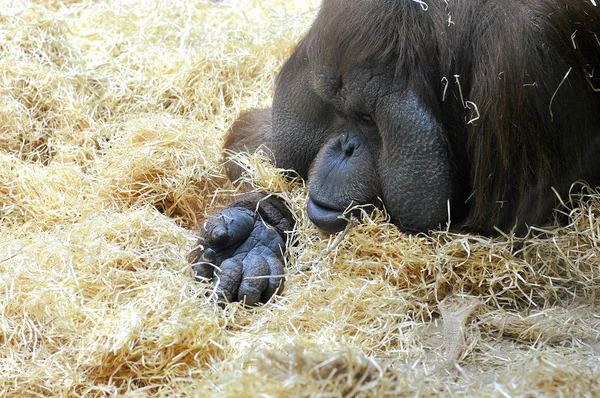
(111, 119)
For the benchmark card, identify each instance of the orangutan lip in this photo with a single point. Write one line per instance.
(325, 218)
(326, 206)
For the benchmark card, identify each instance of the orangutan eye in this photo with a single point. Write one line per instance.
(363, 117)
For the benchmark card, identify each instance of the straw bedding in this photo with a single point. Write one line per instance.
(111, 120)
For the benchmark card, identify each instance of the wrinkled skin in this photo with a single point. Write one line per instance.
(240, 250)
(244, 254)
(386, 104)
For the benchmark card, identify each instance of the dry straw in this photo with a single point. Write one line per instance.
(111, 120)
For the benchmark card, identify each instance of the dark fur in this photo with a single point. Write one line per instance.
(486, 104)
(511, 57)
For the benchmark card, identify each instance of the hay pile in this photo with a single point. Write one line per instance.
(111, 119)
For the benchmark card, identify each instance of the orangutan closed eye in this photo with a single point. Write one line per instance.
(482, 107)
